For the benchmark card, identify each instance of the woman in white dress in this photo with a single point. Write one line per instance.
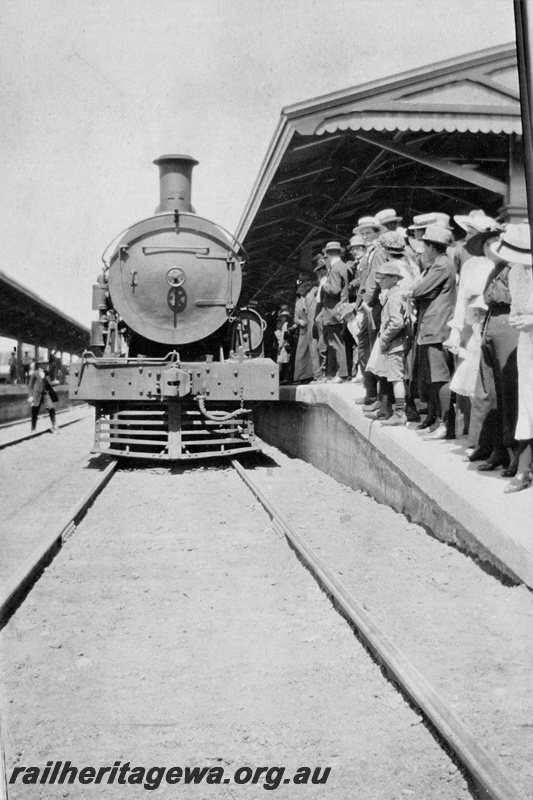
(521, 319)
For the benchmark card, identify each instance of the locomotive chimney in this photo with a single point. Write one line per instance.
(175, 173)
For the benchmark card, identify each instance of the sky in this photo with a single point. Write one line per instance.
(92, 91)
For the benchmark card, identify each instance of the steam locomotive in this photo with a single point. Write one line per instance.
(174, 365)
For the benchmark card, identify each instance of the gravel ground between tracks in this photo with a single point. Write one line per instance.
(41, 480)
(469, 633)
(176, 627)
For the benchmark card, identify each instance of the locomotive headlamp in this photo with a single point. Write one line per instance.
(175, 276)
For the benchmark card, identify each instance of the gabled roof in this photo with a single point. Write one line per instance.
(475, 92)
(353, 151)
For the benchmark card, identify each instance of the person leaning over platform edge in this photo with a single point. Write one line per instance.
(334, 291)
(435, 296)
(41, 390)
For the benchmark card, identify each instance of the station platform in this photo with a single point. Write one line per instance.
(425, 480)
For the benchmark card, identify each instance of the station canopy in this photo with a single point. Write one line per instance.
(441, 138)
(27, 318)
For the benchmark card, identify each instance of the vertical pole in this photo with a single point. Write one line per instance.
(524, 35)
(20, 371)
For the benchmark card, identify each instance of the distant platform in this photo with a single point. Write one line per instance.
(425, 480)
(14, 405)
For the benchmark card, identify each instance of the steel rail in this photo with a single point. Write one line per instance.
(490, 781)
(33, 434)
(47, 549)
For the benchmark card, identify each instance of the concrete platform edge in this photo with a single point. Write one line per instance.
(321, 425)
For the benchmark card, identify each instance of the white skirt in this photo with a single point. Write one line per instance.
(524, 427)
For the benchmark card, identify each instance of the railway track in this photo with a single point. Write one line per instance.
(485, 777)
(13, 433)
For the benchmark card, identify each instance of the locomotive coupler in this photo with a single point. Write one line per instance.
(175, 382)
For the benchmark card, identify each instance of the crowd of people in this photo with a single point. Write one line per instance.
(438, 326)
(20, 370)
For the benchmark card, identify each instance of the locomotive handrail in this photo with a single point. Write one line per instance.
(234, 245)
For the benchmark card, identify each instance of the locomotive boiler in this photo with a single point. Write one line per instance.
(174, 366)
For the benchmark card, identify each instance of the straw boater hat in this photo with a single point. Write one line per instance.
(333, 246)
(514, 244)
(433, 218)
(436, 234)
(476, 219)
(369, 222)
(356, 241)
(389, 268)
(387, 216)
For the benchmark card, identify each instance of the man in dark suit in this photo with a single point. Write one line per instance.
(334, 291)
(40, 390)
(435, 296)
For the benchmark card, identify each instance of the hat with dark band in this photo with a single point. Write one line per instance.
(476, 219)
(514, 244)
(333, 246)
(387, 216)
(426, 220)
(356, 241)
(369, 222)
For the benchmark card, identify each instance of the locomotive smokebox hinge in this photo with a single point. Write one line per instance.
(175, 383)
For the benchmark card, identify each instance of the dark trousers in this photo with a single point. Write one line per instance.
(498, 385)
(367, 337)
(335, 351)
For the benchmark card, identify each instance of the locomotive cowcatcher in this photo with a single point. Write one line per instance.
(174, 366)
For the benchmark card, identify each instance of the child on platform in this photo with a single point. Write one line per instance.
(394, 337)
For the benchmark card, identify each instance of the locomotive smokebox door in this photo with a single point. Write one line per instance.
(175, 286)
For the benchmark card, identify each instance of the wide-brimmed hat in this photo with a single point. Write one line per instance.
(478, 302)
(356, 241)
(333, 246)
(476, 219)
(369, 222)
(436, 234)
(387, 216)
(389, 268)
(514, 244)
(426, 220)
(476, 243)
(393, 241)
(320, 264)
